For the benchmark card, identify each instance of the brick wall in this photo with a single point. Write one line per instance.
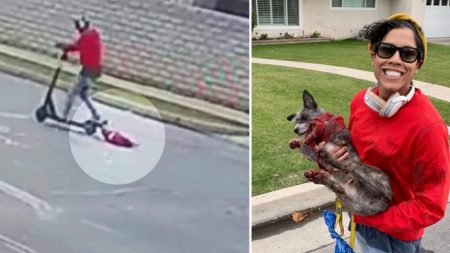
(187, 50)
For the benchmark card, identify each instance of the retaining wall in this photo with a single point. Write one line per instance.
(185, 49)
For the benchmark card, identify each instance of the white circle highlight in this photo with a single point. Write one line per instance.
(112, 164)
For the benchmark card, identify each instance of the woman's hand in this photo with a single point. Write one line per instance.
(337, 152)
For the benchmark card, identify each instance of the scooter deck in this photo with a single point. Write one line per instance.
(69, 121)
(88, 126)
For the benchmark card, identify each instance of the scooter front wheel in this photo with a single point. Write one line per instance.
(89, 127)
(41, 114)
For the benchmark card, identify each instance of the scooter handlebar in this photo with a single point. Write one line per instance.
(63, 56)
(60, 45)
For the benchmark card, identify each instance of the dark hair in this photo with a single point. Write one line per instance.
(378, 30)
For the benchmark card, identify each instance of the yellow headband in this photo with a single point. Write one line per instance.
(406, 17)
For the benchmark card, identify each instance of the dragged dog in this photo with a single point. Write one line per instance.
(363, 189)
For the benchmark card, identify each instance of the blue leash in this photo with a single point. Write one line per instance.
(341, 245)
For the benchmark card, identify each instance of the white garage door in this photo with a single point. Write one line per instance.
(437, 18)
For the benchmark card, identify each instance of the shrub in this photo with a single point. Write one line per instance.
(288, 36)
(315, 34)
(362, 34)
(263, 36)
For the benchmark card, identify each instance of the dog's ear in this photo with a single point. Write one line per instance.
(308, 100)
(290, 117)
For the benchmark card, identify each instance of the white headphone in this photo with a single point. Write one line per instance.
(391, 106)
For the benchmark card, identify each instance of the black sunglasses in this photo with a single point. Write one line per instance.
(387, 50)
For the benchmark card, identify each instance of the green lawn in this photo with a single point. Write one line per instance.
(355, 54)
(276, 93)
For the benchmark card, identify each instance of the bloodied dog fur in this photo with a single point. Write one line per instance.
(363, 189)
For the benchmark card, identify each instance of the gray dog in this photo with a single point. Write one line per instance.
(363, 189)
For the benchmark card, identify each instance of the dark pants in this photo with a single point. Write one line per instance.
(82, 88)
(371, 240)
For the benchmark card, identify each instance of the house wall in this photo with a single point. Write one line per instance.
(278, 31)
(335, 23)
(415, 8)
(187, 50)
(340, 23)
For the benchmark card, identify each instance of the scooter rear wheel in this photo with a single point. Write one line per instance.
(41, 114)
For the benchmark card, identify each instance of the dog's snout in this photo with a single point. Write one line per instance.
(296, 130)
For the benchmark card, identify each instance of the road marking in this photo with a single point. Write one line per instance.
(4, 129)
(42, 209)
(14, 115)
(116, 192)
(10, 142)
(16, 246)
(99, 227)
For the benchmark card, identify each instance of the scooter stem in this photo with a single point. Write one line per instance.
(60, 64)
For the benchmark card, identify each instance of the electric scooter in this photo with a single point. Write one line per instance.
(47, 110)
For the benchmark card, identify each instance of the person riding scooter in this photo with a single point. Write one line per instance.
(89, 46)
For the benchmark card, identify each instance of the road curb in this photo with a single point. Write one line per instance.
(167, 116)
(272, 206)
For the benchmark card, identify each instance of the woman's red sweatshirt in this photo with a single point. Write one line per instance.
(412, 148)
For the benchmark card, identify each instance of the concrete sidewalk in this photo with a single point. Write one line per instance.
(433, 90)
(311, 236)
(441, 41)
(278, 205)
(237, 131)
(287, 236)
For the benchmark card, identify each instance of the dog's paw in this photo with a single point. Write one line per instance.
(309, 174)
(295, 143)
(311, 139)
(316, 176)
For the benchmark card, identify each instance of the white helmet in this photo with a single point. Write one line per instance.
(81, 24)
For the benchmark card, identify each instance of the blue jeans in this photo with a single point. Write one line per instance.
(371, 240)
(81, 88)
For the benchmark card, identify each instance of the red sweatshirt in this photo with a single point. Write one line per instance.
(90, 47)
(412, 148)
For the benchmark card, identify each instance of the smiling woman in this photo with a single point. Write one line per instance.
(393, 73)
(391, 125)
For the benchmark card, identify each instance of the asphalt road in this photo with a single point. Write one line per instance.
(193, 195)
